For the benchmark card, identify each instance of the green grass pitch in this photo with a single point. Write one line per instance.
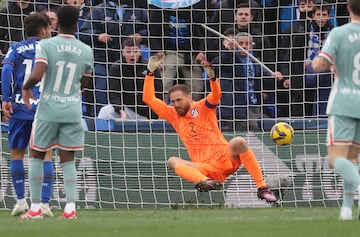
(289, 222)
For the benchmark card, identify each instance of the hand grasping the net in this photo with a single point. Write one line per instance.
(155, 61)
(208, 69)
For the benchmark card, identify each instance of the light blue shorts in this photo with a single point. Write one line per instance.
(65, 136)
(343, 131)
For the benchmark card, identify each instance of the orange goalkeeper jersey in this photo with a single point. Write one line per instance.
(198, 129)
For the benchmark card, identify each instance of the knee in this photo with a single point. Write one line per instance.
(172, 162)
(331, 163)
(238, 145)
(48, 155)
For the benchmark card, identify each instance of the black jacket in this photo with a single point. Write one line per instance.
(104, 19)
(224, 19)
(225, 15)
(233, 80)
(178, 29)
(293, 53)
(126, 83)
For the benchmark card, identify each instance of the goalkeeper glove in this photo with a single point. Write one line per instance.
(155, 61)
(209, 70)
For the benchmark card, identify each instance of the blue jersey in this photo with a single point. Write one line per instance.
(17, 67)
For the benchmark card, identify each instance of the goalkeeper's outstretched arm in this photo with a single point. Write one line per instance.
(149, 98)
(214, 96)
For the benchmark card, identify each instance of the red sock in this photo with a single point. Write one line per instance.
(249, 161)
(189, 173)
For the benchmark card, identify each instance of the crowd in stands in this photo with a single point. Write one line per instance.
(285, 35)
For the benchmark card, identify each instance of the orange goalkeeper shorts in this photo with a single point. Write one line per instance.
(221, 170)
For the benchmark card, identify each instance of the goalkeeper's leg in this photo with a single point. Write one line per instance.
(186, 169)
(190, 171)
(239, 149)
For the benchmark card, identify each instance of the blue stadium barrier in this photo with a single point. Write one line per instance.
(162, 125)
(297, 124)
(5, 126)
(128, 125)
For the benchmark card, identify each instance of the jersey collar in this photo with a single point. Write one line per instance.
(34, 37)
(66, 36)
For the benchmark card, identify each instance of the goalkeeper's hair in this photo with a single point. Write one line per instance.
(67, 17)
(34, 22)
(179, 87)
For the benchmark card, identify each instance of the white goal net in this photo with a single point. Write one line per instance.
(123, 164)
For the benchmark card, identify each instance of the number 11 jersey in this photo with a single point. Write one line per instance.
(68, 60)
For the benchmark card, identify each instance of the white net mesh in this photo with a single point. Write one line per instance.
(124, 162)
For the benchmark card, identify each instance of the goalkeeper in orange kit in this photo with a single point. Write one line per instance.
(213, 158)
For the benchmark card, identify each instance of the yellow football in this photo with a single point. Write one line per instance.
(282, 133)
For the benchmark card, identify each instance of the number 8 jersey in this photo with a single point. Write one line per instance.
(17, 66)
(342, 48)
(67, 59)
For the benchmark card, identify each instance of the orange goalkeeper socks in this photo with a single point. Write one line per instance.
(248, 159)
(189, 173)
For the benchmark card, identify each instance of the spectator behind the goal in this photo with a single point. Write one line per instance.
(104, 28)
(342, 15)
(244, 21)
(126, 83)
(304, 13)
(290, 24)
(177, 32)
(291, 11)
(243, 81)
(321, 83)
(83, 6)
(307, 40)
(54, 21)
(49, 4)
(225, 16)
